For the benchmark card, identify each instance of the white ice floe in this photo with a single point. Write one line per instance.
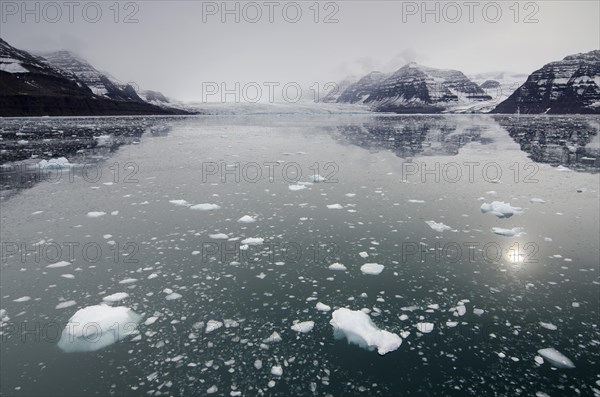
(205, 207)
(500, 209)
(150, 320)
(213, 325)
(60, 162)
(95, 327)
(95, 214)
(438, 227)
(182, 203)
(478, 312)
(211, 390)
(363, 254)
(334, 206)
(65, 304)
(413, 201)
(119, 296)
(323, 307)
(247, 219)
(276, 370)
(303, 327)
(173, 296)
(372, 268)
(218, 236)
(253, 241)
(337, 266)
(556, 358)
(295, 188)
(317, 178)
(128, 281)
(22, 299)
(425, 327)
(258, 364)
(273, 338)
(58, 264)
(562, 168)
(537, 201)
(549, 326)
(358, 328)
(514, 232)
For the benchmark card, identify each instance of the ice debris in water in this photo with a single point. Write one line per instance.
(58, 264)
(323, 307)
(358, 328)
(425, 327)
(500, 209)
(303, 327)
(438, 227)
(246, 219)
(317, 178)
(253, 241)
(556, 358)
(514, 232)
(182, 203)
(115, 297)
(277, 370)
(337, 266)
(93, 328)
(95, 214)
(537, 201)
(334, 206)
(371, 268)
(205, 207)
(295, 188)
(54, 163)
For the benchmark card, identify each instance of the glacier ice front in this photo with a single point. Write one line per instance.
(95, 327)
(359, 329)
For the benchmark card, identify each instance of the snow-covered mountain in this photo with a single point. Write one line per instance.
(415, 89)
(32, 86)
(571, 85)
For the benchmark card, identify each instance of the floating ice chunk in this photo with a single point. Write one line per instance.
(58, 264)
(128, 281)
(358, 328)
(60, 162)
(363, 254)
(295, 188)
(150, 320)
(514, 232)
(451, 324)
(205, 207)
(258, 364)
(425, 327)
(276, 370)
(334, 206)
(478, 312)
(537, 201)
(119, 296)
(500, 209)
(253, 241)
(95, 214)
(323, 307)
(372, 268)
(461, 310)
(549, 326)
(213, 325)
(413, 201)
(438, 227)
(211, 390)
(274, 338)
(247, 219)
(65, 304)
(182, 203)
(22, 299)
(337, 266)
(317, 178)
(69, 276)
(173, 296)
(95, 327)
(562, 168)
(219, 236)
(556, 358)
(303, 327)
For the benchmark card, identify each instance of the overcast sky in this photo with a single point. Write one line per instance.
(176, 45)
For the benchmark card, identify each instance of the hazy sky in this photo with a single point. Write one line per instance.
(176, 45)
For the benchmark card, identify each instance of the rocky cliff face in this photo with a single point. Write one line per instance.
(571, 85)
(31, 86)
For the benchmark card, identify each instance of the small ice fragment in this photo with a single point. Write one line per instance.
(213, 325)
(219, 236)
(65, 304)
(514, 232)
(337, 266)
(334, 206)
(95, 214)
(119, 296)
(363, 254)
(173, 296)
(58, 264)
(372, 268)
(323, 307)
(425, 327)
(150, 320)
(205, 207)
(413, 201)
(295, 188)
(303, 327)
(258, 364)
(247, 219)
(276, 370)
(549, 326)
(273, 338)
(253, 241)
(128, 281)
(438, 227)
(500, 209)
(182, 203)
(211, 390)
(22, 299)
(537, 201)
(478, 312)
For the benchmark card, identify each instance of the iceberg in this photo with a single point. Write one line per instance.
(337, 266)
(438, 227)
(303, 327)
(500, 209)
(95, 327)
(556, 358)
(371, 268)
(358, 328)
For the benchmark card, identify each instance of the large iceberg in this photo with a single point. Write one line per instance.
(358, 328)
(95, 327)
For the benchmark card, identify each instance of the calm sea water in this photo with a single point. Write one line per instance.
(116, 214)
